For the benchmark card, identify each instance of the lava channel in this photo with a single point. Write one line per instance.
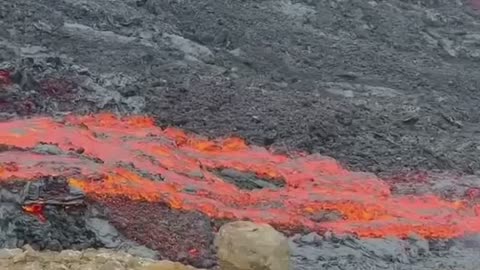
(110, 157)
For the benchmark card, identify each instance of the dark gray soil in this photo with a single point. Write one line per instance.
(382, 86)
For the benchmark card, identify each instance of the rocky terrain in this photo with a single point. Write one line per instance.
(378, 85)
(381, 86)
(91, 259)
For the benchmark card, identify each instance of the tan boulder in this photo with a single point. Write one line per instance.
(244, 245)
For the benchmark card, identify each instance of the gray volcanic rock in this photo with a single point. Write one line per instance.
(382, 86)
(379, 85)
(415, 253)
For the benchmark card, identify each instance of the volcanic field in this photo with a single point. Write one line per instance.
(143, 126)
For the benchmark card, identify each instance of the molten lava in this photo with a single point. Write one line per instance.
(119, 158)
(36, 210)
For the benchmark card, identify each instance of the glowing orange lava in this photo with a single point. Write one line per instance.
(313, 184)
(35, 210)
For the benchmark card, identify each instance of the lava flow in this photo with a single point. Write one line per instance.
(110, 157)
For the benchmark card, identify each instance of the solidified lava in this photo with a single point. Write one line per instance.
(313, 184)
(55, 220)
(180, 236)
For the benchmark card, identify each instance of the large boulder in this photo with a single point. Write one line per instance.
(244, 245)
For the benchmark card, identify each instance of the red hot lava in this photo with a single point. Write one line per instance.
(313, 184)
(36, 210)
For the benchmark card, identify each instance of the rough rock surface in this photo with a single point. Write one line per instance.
(64, 222)
(335, 252)
(379, 85)
(186, 237)
(244, 245)
(90, 259)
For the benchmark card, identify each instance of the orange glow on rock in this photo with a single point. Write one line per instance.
(36, 210)
(313, 184)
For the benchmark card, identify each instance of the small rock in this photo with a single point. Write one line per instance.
(326, 216)
(311, 238)
(328, 235)
(348, 75)
(9, 253)
(22, 257)
(236, 52)
(420, 246)
(244, 245)
(190, 48)
(196, 174)
(47, 149)
(29, 251)
(296, 238)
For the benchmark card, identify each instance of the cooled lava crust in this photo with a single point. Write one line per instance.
(177, 235)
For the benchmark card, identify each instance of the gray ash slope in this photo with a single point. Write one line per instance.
(379, 85)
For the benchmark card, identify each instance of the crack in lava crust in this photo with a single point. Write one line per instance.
(91, 149)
